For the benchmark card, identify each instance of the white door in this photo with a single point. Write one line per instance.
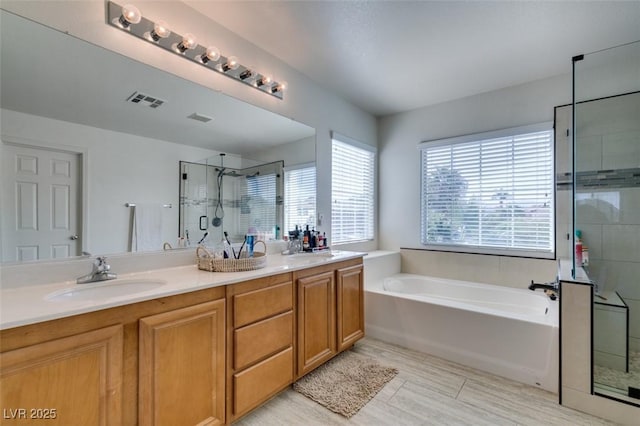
(40, 203)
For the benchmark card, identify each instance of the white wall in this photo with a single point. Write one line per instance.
(399, 191)
(305, 101)
(293, 153)
(121, 168)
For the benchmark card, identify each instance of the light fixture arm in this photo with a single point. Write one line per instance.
(172, 42)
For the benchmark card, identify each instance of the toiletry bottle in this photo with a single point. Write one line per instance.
(578, 248)
(305, 239)
(313, 242)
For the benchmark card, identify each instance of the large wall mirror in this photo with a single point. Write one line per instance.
(87, 132)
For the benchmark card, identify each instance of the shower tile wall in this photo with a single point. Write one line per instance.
(608, 202)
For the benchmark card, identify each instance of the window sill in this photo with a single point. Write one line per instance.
(486, 252)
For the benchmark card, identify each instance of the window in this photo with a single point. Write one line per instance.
(258, 203)
(352, 190)
(490, 191)
(299, 197)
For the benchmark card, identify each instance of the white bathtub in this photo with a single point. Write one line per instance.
(505, 331)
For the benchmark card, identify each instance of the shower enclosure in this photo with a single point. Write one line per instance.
(215, 199)
(606, 213)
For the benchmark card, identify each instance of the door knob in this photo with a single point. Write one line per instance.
(73, 237)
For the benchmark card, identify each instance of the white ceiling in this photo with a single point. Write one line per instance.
(392, 56)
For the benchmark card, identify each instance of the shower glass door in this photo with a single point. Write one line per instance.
(606, 187)
(194, 200)
(215, 199)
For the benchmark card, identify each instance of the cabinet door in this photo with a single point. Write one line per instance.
(350, 303)
(75, 380)
(182, 366)
(316, 321)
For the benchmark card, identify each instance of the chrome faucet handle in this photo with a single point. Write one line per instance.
(101, 264)
(100, 272)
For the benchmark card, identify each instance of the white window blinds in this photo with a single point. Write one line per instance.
(257, 204)
(299, 197)
(352, 192)
(491, 192)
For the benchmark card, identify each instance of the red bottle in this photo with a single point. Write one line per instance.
(578, 252)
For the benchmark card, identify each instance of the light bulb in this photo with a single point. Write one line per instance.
(188, 42)
(160, 30)
(212, 54)
(130, 15)
(231, 64)
(265, 80)
(279, 87)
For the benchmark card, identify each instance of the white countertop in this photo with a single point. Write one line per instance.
(29, 304)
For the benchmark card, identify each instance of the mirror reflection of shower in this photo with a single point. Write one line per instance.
(218, 213)
(215, 199)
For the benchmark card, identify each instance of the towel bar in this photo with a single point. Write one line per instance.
(166, 206)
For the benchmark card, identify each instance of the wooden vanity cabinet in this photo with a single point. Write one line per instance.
(260, 354)
(86, 367)
(182, 366)
(316, 320)
(350, 305)
(330, 301)
(205, 357)
(70, 380)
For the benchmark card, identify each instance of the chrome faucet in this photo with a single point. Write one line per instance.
(551, 288)
(100, 272)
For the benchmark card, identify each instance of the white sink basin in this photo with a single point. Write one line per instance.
(104, 290)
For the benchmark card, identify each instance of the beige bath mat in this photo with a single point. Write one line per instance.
(346, 383)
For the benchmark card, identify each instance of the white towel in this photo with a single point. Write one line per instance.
(147, 227)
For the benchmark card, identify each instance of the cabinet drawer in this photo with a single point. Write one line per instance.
(258, 340)
(260, 304)
(258, 383)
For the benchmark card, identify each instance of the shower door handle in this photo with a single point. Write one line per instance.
(203, 228)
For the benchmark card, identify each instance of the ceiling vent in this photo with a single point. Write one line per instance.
(146, 100)
(200, 117)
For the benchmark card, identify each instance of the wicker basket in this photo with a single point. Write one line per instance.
(206, 261)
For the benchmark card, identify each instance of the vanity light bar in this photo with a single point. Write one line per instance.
(186, 46)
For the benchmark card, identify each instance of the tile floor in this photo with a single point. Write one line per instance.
(428, 391)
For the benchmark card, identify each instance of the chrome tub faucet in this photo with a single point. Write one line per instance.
(100, 272)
